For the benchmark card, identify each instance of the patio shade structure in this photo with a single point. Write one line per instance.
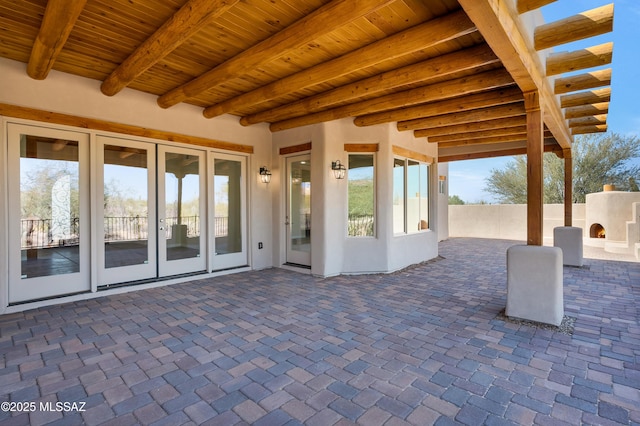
(469, 75)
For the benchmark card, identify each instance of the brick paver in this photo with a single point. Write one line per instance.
(421, 346)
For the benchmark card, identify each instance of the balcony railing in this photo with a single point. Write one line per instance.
(42, 233)
(360, 225)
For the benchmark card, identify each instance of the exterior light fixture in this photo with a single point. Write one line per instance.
(265, 174)
(338, 169)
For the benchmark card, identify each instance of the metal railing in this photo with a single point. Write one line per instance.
(360, 226)
(39, 233)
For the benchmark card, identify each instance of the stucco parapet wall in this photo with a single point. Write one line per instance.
(506, 221)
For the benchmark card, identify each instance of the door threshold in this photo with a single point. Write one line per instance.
(297, 265)
(149, 280)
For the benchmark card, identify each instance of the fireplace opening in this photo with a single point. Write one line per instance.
(597, 231)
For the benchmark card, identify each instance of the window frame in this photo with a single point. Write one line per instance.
(406, 229)
(374, 203)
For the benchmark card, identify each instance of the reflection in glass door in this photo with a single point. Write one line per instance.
(127, 246)
(230, 249)
(48, 213)
(299, 210)
(181, 207)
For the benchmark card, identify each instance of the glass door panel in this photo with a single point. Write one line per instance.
(229, 212)
(48, 212)
(127, 225)
(181, 207)
(299, 210)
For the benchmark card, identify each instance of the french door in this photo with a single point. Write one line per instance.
(181, 211)
(150, 216)
(127, 236)
(298, 220)
(48, 177)
(228, 211)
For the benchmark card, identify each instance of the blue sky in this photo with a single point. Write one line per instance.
(467, 178)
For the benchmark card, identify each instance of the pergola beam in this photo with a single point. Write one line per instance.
(458, 87)
(586, 110)
(583, 25)
(465, 136)
(418, 37)
(589, 80)
(500, 123)
(191, 18)
(592, 120)
(561, 62)
(465, 103)
(473, 116)
(516, 137)
(60, 16)
(529, 5)
(324, 20)
(499, 23)
(584, 130)
(507, 152)
(423, 72)
(586, 98)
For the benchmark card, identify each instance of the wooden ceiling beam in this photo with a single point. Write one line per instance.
(584, 81)
(592, 120)
(583, 25)
(529, 5)
(448, 89)
(453, 137)
(473, 116)
(561, 62)
(191, 18)
(59, 18)
(586, 110)
(418, 37)
(516, 137)
(501, 26)
(318, 23)
(509, 152)
(439, 67)
(584, 130)
(586, 98)
(464, 103)
(472, 127)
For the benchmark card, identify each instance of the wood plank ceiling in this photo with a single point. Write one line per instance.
(432, 66)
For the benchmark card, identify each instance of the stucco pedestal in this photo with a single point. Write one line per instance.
(535, 284)
(569, 239)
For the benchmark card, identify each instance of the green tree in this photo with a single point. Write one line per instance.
(455, 200)
(598, 159)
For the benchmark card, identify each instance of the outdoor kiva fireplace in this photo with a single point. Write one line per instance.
(613, 221)
(596, 231)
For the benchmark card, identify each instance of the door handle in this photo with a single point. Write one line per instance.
(286, 221)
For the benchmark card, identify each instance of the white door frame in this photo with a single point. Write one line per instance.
(116, 275)
(240, 258)
(292, 256)
(23, 288)
(192, 264)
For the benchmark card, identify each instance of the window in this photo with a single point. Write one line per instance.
(361, 196)
(410, 196)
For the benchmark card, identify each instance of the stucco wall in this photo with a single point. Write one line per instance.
(332, 251)
(506, 221)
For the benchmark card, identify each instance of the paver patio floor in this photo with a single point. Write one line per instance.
(272, 347)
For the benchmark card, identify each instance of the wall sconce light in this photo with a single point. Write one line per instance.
(265, 174)
(338, 169)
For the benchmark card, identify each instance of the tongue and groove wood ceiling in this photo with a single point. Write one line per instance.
(424, 64)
